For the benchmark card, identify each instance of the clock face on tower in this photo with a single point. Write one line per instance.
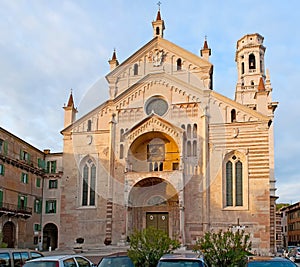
(156, 105)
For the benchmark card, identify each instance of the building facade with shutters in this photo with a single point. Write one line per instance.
(29, 207)
(167, 150)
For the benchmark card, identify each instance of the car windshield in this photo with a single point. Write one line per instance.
(180, 263)
(116, 261)
(41, 264)
(271, 264)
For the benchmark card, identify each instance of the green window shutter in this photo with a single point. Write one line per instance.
(47, 206)
(25, 201)
(38, 182)
(5, 147)
(1, 198)
(1, 169)
(53, 167)
(54, 204)
(40, 206)
(19, 201)
(41, 163)
(27, 178)
(21, 154)
(48, 167)
(28, 158)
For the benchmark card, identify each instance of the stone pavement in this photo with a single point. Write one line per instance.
(95, 255)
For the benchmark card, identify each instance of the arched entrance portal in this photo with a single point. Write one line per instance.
(154, 202)
(50, 236)
(9, 234)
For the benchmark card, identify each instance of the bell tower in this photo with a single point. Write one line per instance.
(250, 54)
(159, 24)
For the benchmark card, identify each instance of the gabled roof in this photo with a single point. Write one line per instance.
(162, 43)
(150, 116)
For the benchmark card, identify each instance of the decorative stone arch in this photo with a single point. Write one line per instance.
(153, 195)
(50, 236)
(9, 234)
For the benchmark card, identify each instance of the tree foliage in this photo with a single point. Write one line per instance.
(148, 245)
(2, 244)
(224, 248)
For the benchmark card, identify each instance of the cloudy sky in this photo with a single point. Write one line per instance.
(48, 48)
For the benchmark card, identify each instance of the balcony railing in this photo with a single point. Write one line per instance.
(14, 210)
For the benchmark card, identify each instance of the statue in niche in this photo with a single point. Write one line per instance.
(158, 58)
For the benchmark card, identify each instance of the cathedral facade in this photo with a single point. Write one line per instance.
(168, 151)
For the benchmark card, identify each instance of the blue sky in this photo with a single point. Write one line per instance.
(49, 47)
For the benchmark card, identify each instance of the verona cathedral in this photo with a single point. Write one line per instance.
(167, 150)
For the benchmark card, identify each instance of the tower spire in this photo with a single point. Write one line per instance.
(205, 52)
(70, 111)
(158, 25)
(113, 62)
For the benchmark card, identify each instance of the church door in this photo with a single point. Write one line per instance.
(158, 220)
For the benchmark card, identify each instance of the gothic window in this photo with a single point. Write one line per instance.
(135, 69)
(252, 62)
(189, 153)
(179, 64)
(88, 183)
(194, 148)
(122, 135)
(121, 151)
(234, 182)
(233, 115)
(89, 125)
(189, 131)
(195, 130)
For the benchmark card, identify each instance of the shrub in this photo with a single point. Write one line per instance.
(224, 248)
(148, 245)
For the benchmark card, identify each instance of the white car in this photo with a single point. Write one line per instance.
(181, 259)
(60, 261)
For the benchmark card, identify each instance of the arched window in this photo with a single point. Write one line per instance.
(157, 31)
(189, 131)
(243, 67)
(121, 151)
(195, 130)
(179, 64)
(122, 135)
(88, 183)
(135, 69)
(189, 153)
(89, 126)
(252, 62)
(234, 182)
(194, 148)
(233, 115)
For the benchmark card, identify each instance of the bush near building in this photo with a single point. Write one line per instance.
(148, 245)
(226, 248)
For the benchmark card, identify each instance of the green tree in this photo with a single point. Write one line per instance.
(224, 248)
(2, 245)
(148, 245)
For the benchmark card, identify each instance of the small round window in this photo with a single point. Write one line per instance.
(157, 105)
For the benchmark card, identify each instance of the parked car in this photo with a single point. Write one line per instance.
(260, 261)
(116, 260)
(294, 254)
(60, 261)
(10, 257)
(182, 260)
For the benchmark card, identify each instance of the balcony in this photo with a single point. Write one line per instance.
(14, 210)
